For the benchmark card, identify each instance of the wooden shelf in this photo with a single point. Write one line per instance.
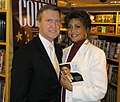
(2, 43)
(113, 84)
(98, 23)
(2, 75)
(63, 29)
(118, 89)
(115, 60)
(105, 34)
(7, 18)
(4, 11)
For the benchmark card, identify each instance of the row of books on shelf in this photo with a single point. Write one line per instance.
(3, 4)
(2, 90)
(103, 29)
(113, 74)
(2, 61)
(118, 29)
(119, 18)
(111, 49)
(111, 95)
(2, 30)
(103, 18)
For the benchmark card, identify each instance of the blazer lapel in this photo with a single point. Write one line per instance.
(81, 52)
(44, 56)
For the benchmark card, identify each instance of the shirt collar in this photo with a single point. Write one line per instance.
(44, 41)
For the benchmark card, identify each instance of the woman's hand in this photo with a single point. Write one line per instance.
(65, 82)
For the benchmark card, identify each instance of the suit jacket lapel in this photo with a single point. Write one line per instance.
(58, 52)
(44, 56)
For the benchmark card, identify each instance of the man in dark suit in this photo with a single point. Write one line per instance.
(33, 76)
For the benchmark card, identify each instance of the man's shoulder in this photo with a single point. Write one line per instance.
(28, 46)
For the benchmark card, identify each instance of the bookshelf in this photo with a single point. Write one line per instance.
(105, 34)
(4, 45)
(105, 22)
(118, 93)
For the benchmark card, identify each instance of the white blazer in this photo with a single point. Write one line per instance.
(92, 65)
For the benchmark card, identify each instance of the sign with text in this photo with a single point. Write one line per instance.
(24, 14)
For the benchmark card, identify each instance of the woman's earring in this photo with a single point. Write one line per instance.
(85, 35)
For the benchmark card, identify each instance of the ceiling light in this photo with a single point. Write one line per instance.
(115, 1)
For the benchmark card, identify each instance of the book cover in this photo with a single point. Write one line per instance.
(68, 69)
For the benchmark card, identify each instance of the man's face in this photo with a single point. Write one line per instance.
(65, 70)
(49, 26)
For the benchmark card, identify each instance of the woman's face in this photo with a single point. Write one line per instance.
(76, 30)
(65, 70)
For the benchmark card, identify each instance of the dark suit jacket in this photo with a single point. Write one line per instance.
(33, 78)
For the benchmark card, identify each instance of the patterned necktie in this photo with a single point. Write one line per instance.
(54, 59)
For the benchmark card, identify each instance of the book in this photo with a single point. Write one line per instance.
(2, 60)
(2, 30)
(113, 74)
(76, 77)
(117, 50)
(2, 91)
(68, 69)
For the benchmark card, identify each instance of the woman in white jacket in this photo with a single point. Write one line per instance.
(90, 62)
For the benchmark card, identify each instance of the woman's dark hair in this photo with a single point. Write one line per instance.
(83, 16)
(65, 65)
